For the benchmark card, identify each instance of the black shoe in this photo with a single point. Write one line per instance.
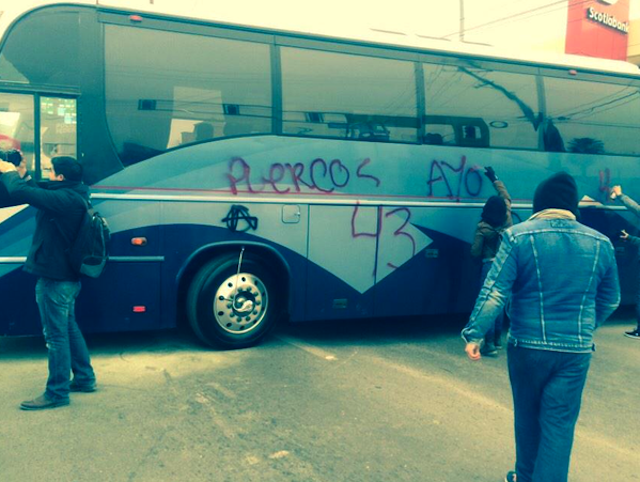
(511, 477)
(76, 387)
(42, 403)
(633, 334)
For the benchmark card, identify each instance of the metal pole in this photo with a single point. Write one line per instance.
(461, 21)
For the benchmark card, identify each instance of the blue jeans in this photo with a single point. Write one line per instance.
(547, 391)
(67, 348)
(495, 332)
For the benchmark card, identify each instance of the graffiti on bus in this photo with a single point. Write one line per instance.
(445, 180)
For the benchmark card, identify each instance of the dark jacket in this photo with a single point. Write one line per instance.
(635, 209)
(486, 240)
(60, 210)
(5, 199)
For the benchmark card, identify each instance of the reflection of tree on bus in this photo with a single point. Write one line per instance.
(586, 145)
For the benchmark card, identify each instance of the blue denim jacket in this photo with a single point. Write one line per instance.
(562, 279)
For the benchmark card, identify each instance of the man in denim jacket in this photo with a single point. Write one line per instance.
(562, 279)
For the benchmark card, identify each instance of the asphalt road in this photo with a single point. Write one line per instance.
(358, 401)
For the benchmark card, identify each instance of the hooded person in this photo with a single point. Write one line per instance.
(494, 212)
(562, 282)
(495, 218)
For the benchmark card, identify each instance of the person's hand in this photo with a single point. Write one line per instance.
(616, 191)
(624, 235)
(490, 173)
(22, 168)
(6, 167)
(473, 351)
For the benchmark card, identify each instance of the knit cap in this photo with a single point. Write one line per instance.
(558, 191)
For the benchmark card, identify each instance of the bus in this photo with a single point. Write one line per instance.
(252, 174)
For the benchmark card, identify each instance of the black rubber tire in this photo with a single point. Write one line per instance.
(207, 287)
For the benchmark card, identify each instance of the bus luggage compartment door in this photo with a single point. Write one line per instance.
(342, 252)
(127, 295)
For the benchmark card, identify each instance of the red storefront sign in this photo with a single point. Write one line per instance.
(598, 28)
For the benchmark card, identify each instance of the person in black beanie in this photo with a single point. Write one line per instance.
(562, 282)
(495, 218)
(557, 192)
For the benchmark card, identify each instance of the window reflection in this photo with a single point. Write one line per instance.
(17, 125)
(165, 89)
(348, 96)
(470, 105)
(594, 118)
(58, 131)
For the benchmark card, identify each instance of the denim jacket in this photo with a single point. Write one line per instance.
(562, 279)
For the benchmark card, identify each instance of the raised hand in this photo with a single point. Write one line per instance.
(490, 173)
(616, 191)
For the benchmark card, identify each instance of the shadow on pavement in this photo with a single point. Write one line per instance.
(375, 330)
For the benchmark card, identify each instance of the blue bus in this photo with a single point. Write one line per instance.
(251, 175)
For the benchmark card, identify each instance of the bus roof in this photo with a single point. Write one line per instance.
(205, 12)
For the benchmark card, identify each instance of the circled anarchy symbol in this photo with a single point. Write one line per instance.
(239, 213)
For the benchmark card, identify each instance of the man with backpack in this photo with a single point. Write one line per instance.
(62, 209)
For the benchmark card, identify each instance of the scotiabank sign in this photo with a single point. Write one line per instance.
(598, 28)
(608, 20)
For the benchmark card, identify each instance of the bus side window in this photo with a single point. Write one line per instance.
(486, 106)
(16, 125)
(328, 94)
(159, 99)
(593, 117)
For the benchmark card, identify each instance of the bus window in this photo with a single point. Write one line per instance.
(16, 125)
(506, 101)
(58, 133)
(456, 131)
(165, 89)
(594, 118)
(328, 94)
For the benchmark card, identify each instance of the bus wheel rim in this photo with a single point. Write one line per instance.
(240, 304)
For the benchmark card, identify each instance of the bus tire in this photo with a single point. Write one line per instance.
(227, 309)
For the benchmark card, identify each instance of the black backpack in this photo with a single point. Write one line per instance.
(88, 252)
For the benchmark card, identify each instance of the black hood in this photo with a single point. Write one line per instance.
(494, 211)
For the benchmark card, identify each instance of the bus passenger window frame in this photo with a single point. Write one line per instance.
(37, 143)
(40, 141)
